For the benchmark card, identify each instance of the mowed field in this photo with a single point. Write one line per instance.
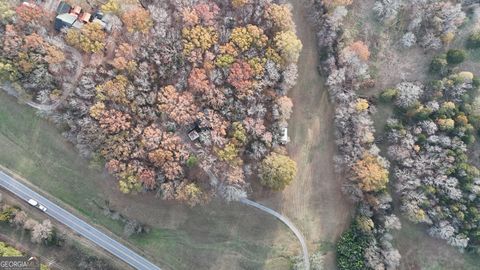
(314, 201)
(216, 236)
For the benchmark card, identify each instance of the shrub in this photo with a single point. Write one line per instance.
(351, 249)
(438, 64)
(455, 57)
(476, 82)
(473, 40)
(192, 161)
(388, 94)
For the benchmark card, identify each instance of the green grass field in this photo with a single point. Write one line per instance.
(227, 236)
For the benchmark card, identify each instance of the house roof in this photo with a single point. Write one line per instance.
(77, 24)
(77, 9)
(67, 18)
(63, 7)
(85, 17)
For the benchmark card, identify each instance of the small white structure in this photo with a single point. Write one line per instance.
(284, 139)
(193, 135)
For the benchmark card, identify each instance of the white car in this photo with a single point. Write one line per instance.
(284, 139)
(32, 202)
(43, 208)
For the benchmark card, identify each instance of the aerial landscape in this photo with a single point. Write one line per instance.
(240, 134)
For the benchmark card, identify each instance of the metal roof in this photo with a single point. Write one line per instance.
(67, 18)
(63, 7)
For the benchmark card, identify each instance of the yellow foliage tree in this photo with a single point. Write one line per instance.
(91, 38)
(7, 251)
(365, 223)
(446, 124)
(239, 3)
(128, 183)
(335, 3)
(361, 105)
(370, 173)
(461, 120)
(97, 110)
(198, 37)
(190, 194)
(246, 37)
(277, 171)
(112, 6)
(229, 153)
(281, 16)
(288, 45)
(114, 90)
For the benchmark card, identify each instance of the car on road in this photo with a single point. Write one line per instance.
(43, 208)
(32, 202)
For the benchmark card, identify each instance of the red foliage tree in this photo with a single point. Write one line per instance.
(29, 12)
(170, 156)
(240, 77)
(180, 107)
(113, 166)
(11, 41)
(147, 178)
(151, 137)
(198, 81)
(207, 12)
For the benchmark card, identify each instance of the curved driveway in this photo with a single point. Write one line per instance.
(287, 222)
(78, 225)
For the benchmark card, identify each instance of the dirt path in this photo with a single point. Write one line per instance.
(314, 201)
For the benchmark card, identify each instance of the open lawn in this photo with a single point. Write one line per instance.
(314, 201)
(218, 235)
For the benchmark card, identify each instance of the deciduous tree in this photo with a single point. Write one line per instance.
(240, 77)
(277, 171)
(281, 16)
(180, 107)
(137, 20)
(91, 38)
(370, 173)
(288, 45)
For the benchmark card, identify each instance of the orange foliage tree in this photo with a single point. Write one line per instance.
(114, 121)
(360, 49)
(370, 173)
(198, 81)
(124, 57)
(281, 16)
(170, 155)
(137, 20)
(180, 107)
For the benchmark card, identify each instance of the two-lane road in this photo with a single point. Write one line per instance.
(78, 225)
